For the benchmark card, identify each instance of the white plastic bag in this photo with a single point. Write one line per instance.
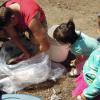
(57, 71)
(32, 71)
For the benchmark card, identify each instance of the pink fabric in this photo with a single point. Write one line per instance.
(80, 65)
(80, 86)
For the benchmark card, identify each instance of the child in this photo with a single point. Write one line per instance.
(80, 43)
(88, 83)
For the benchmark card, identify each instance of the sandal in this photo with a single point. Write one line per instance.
(73, 73)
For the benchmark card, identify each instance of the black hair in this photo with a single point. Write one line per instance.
(5, 16)
(65, 33)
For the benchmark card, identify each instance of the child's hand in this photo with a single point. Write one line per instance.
(82, 97)
(79, 97)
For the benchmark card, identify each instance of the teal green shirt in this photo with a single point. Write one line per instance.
(91, 71)
(84, 45)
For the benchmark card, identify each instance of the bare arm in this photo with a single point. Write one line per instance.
(40, 37)
(13, 35)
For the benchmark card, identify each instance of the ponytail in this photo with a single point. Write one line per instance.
(70, 25)
(65, 33)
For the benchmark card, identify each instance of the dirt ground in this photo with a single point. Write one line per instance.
(84, 13)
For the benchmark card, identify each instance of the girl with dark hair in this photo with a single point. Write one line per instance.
(27, 18)
(80, 44)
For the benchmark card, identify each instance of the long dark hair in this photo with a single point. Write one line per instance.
(65, 33)
(5, 16)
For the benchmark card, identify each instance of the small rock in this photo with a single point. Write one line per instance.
(54, 96)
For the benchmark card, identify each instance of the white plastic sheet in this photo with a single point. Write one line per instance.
(32, 71)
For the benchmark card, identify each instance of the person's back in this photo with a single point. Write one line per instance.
(91, 71)
(88, 83)
(91, 68)
(28, 10)
(84, 45)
